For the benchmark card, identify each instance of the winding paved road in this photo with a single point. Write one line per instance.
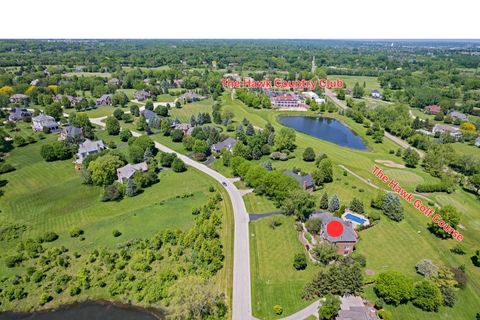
(241, 300)
(395, 139)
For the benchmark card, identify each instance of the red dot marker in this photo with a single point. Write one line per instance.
(334, 229)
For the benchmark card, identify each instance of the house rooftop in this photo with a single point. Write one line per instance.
(303, 181)
(127, 171)
(89, 146)
(227, 143)
(348, 234)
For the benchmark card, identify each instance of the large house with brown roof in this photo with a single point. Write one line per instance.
(305, 182)
(345, 243)
(126, 172)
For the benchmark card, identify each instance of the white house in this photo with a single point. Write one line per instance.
(442, 128)
(313, 96)
(126, 172)
(477, 142)
(87, 148)
(228, 144)
(376, 94)
(43, 121)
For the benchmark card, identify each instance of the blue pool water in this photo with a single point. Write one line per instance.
(355, 218)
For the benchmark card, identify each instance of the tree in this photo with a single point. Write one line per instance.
(427, 296)
(451, 216)
(131, 188)
(192, 297)
(356, 205)
(324, 201)
(393, 287)
(135, 110)
(111, 193)
(339, 279)
(118, 113)
(325, 253)
(475, 181)
(125, 134)
(410, 157)
(61, 150)
(449, 296)
(300, 261)
(47, 153)
(314, 225)
(299, 203)
(112, 125)
(119, 98)
(166, 159)
(285, 139)
(357, 91)
(476, 259)
(177, 135)
(135, 153)
(392, 207)
(329, 309)
(334, 204)
(142, 124)
(426, 268)
(54, 110)
(325, 171)
(178, 165)
(103, 170)
(309, 155)
(149, 105)
(250, 130)
(162, 111)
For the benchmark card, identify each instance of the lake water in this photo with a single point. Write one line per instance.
(90, 310)
(326, 129)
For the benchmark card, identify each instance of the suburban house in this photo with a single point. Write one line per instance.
(71, 132)
(477, 142)
(228, 144)
(87, 148)
(114, 81)
(442, 128)
(345, 243)
(104, 100)
(141, 95)
(73, 100)
(19, 97)
(149, 114)
(35, 82)
(178, 82)
(432, 109)
(146, 81)
(232, 76)
(19, 114)
(126, 172)
(185, 127)
(458, 115)
(355, 308)
(376, 94)
(189, 97)
(42, 121)
(285, 100)
(306, 182)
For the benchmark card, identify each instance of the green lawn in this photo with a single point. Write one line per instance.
(185, 113)
(258, 204)
(388, 245)
(51, 197)
(370, 82)
(274, 280)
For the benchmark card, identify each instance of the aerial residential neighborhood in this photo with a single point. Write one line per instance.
(254, 161)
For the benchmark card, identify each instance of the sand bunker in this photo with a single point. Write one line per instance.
(391, 164)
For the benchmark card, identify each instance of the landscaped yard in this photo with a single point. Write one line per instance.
(274, 279)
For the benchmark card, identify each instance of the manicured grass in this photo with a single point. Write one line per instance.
(51, 197)
(102, 111)
(186, 111)
(274, 279)
(388, 245)
(166, 98)
(258, 204)
(89, 74)
(370, 82)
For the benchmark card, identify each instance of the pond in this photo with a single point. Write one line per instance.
(326, 129)
(90, 310)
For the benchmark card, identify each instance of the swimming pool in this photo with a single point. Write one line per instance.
(355, 219)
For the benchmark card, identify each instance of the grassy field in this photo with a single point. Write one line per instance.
(389, 244)
(274, 279)
(371, 83)
(51, 197)
(185, 113)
